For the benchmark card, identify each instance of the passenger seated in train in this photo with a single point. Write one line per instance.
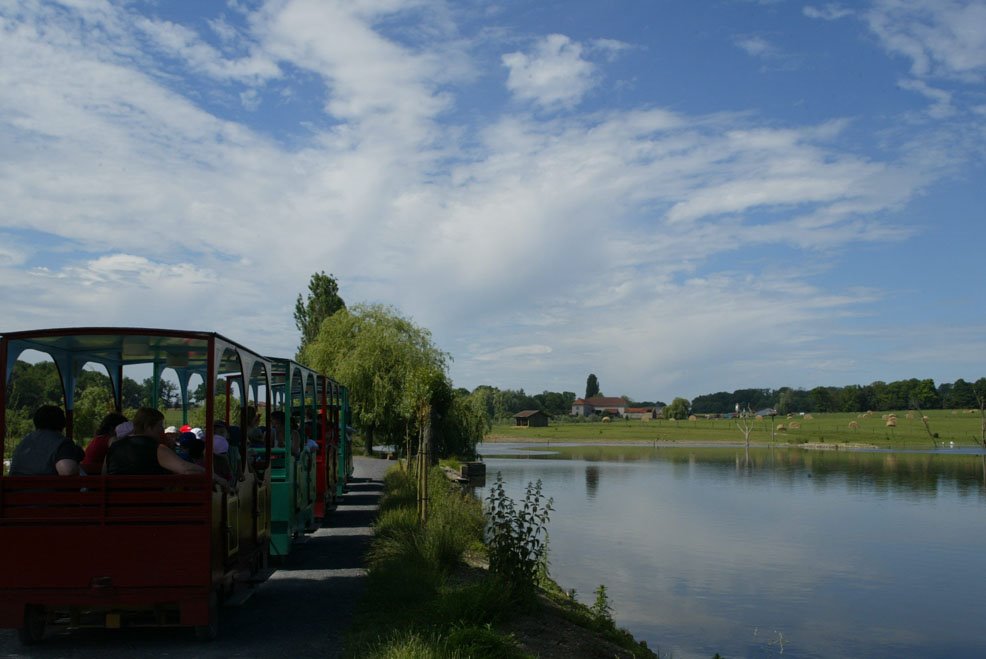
(171, 437)
(255, 433)
(95, 455)
(190, 447)
(220, 453)
(144, 452)
(235, 457)
(278, 433)
(46, 451)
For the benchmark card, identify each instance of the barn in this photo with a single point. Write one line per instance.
(531, 419)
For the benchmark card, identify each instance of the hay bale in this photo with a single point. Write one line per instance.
(606, 419)
(891, 423)
(759, 418)
(853, 425)
(924, 418)
(794, 425)
(781, 427)
(692, 417)
(808, 417)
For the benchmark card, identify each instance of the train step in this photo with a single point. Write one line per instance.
(257, 577)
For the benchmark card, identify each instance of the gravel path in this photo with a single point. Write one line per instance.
(303, 610)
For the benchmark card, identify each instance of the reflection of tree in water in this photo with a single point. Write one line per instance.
(923, 473)
(591, 481)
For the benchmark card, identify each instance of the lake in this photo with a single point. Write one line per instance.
(781, 552)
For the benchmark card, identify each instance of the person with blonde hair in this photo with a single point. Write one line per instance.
(145, 452)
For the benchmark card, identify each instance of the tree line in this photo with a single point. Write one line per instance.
(876, 396)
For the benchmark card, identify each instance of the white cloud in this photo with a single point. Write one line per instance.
(250, 99)
(531, 247)
(829, 12)
(941, 106)
(610, 48)
(754, 46)
(553, 75)
(514, 352)
(943, 38)
(183, 43)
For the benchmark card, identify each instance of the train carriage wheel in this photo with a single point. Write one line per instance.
(32, 631)
(210, 630)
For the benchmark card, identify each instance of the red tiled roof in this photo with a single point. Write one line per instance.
(606, 401)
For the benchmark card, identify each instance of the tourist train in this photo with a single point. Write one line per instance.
(113, 550)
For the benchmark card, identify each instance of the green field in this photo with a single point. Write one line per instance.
(958, 426)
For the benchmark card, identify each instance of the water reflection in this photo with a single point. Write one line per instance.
(912, 473)
(591, 481)
(713, 550)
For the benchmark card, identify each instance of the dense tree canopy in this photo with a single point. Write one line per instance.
(396, 378)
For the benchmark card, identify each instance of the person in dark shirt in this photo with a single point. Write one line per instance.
(144, 452)
(46, 451)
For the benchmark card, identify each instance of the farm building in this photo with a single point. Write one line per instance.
(640, 413)
(608, 405)
(531, 419)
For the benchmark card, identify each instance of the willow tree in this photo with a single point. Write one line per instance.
(371, 349)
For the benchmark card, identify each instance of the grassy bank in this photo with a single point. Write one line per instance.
(909, 432)
(430, 595)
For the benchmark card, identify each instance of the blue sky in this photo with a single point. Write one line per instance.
(680, 197)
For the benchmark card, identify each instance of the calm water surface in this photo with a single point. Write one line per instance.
(785, 553)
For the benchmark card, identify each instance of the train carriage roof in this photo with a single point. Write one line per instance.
(126, 345)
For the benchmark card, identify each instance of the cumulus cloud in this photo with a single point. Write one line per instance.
(554, 74)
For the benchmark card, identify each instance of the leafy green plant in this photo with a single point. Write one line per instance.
(517, 536)
(601, 608)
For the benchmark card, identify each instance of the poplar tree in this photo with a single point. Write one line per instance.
(591, 386)
(323, 301)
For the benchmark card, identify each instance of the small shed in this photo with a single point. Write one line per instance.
(531, 419)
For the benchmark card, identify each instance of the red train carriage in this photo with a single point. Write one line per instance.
(111, 551)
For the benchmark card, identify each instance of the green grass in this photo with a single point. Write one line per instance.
(958, 426)
(416, 590)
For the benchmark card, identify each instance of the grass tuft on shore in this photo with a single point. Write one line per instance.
(425, 600)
